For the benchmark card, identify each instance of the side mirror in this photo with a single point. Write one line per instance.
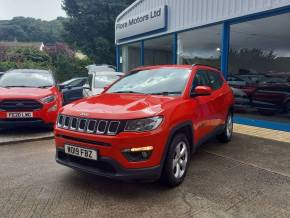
(201, 91)
(86, 86)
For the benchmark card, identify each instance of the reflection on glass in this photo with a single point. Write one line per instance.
(259, 67)
(201, 46)
(158, 51)
(130, 56)
(26, 78)
(103, 80)
(166, 81)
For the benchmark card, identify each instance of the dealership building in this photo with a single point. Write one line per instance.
(249, 40)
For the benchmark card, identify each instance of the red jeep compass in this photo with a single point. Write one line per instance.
(147, 124)
(28, 97)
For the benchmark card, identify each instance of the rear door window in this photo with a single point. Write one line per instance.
(215, 80)
(200, 79)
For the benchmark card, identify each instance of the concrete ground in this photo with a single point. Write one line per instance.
(24, 134)
(249, 177)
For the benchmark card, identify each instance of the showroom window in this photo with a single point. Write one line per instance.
(202, 46)
(130, 56)
(158, 51)
(259, 67)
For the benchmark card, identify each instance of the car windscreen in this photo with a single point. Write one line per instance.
(26, 79)
(101, 81)
(162, 81)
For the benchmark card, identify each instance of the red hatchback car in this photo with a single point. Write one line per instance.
(28, 97)
(147, 124)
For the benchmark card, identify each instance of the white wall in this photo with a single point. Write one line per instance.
(185, 14)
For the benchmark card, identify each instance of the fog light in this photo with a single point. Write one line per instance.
(138, 154)
(53, 108)
(148, 148)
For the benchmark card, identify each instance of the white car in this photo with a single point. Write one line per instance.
(99, 80)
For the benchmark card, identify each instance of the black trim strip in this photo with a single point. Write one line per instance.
(83, 140)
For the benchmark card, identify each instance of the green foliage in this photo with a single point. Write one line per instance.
(65, 66)
(91, 27)
(68, 67)
(31, 30)
(28, 58)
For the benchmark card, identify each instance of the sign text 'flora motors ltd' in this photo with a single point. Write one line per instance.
(147, 22)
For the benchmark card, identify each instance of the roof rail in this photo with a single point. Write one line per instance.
(206, 65)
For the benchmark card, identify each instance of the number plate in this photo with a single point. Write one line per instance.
(19, 115)
(81, 152)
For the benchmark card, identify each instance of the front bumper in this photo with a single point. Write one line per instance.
(41, 117)
(21, 123)
(111, 151)
(106, 167)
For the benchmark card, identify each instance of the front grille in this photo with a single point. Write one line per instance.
(20, 105)
(91, 126)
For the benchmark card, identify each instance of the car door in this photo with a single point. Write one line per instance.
(201, 107)
(74, 91)
(217, 99)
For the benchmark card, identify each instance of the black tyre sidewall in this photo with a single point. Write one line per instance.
(167, 174)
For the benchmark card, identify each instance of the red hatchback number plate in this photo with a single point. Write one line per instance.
(81, 152)
(19, 115)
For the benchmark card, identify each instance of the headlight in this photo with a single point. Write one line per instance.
(48, 99)
(142, 125)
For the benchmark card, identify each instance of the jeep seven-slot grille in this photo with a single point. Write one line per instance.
(91, 126)
(20, 105)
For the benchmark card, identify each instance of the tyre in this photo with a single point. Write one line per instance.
(227, 134)
(177, 161)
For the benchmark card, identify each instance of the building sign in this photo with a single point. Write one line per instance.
(153, 20)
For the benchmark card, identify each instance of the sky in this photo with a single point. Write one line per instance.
(43, 9)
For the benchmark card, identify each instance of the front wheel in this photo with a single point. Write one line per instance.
(177, 161)
(227, 134)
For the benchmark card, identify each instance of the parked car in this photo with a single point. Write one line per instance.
(235, 81)
(28, 97)
(242, 101)
(272, 98)
(99, 79)
(146, 125)
(1, 74)
(73, 89)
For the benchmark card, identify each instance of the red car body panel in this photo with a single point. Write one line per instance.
(48, 117)
(206, 113)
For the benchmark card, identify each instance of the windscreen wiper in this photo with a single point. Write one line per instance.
(18, 87)
(166, 93)
(129, 92)
(43, 87)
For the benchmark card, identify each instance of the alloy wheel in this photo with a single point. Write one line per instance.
(229, 127)
(180, 160)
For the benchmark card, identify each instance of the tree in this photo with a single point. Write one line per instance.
(31, 30)
(91, 27)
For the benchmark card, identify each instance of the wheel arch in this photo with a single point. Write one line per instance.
(184, 127)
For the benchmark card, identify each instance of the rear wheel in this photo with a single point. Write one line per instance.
(177, 161)
(227, 134)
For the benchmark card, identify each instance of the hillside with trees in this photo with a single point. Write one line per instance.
(31, 30)
(89, 28)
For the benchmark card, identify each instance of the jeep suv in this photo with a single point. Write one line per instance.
(147, 124)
